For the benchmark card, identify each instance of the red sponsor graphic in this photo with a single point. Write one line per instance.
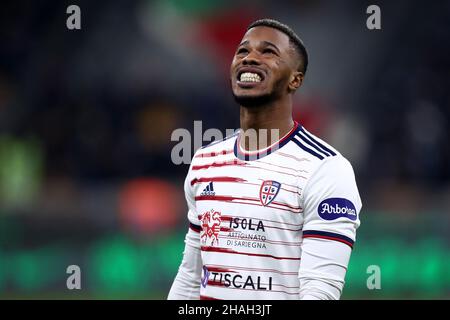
(210, 227)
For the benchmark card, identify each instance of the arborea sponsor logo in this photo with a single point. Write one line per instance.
(334, 208)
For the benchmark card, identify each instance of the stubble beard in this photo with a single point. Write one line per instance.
(255, 101)
(262, 99)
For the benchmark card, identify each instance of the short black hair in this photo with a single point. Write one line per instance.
(293, 37)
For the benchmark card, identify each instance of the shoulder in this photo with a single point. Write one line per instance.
(322, 158)
(307, 151)
(331, 175)
(313, 147)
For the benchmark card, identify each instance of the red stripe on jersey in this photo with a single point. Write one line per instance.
(219, 164)
(328, 238)
(296, 192)
(215, 283)
(291, 156)
(285, 273)
(279, 228)
(240, 163)
(210, 198)
(202, 297)
(282, 291)
(282, 167)
(225, 250)
(217, 179)
(283, 243)
(222, 284)
(286, 205)
(240, 181)
(289, 185)
(213, 154)
(219, 269)
(256, 184)
(231, 199)
(222, 218)
(289, 174)
(216, 198)
(268, 206)
(228, 218)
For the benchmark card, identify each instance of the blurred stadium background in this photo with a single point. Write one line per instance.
(86, 116)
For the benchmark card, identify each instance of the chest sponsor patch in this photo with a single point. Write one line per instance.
(334, 208)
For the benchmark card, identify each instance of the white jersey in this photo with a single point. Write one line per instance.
(253, 212)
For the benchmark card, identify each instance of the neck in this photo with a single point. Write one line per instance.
(275, 117)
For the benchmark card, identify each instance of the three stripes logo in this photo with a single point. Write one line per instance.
(209, 190)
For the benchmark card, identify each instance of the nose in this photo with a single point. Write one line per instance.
(250, 59)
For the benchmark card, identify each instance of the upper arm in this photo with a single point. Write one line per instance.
(190, 201)
(331, 217)
(331, 202)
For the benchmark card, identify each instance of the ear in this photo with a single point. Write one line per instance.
(295, 81)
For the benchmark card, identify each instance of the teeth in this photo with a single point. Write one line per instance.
(250, 77)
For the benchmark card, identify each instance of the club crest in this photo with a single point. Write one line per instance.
(268, 192)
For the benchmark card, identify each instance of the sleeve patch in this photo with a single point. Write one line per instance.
(334, 208)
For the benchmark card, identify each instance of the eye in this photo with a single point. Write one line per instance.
(269, 51)
(242, 51)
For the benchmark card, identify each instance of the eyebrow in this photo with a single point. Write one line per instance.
(267, 43)
(243, 43)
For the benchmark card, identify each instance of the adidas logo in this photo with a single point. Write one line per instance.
(209, 190)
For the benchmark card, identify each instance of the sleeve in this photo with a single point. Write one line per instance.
(331, 205)
(186, 285)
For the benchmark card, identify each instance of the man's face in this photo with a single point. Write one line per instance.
(262, 66)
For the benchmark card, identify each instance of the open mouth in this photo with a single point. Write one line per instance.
(249, 76)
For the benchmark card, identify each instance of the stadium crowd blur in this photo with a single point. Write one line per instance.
(86, 116)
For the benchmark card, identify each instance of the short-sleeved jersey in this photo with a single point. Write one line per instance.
(253, 210)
